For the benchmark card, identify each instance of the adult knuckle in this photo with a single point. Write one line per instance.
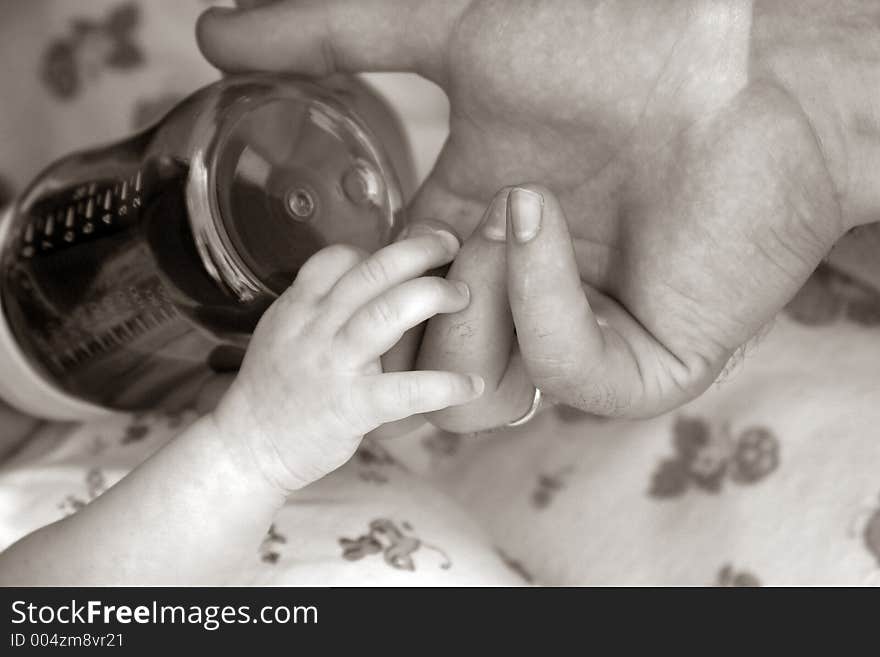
(551, 369)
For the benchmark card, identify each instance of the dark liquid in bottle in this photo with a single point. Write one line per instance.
(109, 296)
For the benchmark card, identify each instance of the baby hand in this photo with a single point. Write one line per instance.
(311, 384)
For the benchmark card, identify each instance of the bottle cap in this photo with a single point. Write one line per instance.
(296, 172)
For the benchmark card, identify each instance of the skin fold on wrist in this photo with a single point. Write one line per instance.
(236, 450)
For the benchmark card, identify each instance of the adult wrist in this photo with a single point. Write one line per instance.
(826, 56)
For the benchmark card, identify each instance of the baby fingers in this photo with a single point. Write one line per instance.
(324, 269)
(379, 325)
(390, 397)
(388, 268)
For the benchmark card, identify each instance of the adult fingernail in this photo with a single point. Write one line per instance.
(525, 208)
(494, 223)
(477, 384)
(462, 288)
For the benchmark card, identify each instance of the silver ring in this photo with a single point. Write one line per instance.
(533, 409)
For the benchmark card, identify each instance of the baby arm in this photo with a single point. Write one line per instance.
(311, 385)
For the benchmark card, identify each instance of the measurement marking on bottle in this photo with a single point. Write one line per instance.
(62, 362)
(108, 200)
(88, 348)
(50, 226)
(90, 208)
(153, 312)
(69, 217)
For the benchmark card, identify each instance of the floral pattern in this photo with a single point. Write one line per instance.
(830, 295)
(442, 444)
(396, 546)
(515, 565)
(95, 484)
(269, 552)
(90, 46)
(135, 432)
(871, 534)
(548, 485)
(374, 462)
(728, 577)
(705, 459)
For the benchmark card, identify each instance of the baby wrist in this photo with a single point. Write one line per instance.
(236, 448)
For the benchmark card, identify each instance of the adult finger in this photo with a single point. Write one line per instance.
(601, 363)
(322, 37)
(480, 338)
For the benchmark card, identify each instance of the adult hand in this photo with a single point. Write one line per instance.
(695, 156)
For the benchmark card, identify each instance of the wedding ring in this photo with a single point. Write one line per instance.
(533, 409)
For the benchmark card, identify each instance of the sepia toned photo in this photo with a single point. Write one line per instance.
(450, 293)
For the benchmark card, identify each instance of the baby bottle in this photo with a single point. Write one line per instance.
(129, 270)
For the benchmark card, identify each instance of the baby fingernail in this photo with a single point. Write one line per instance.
(450, 241)
(494, 222)
(477, 384)
(526, 209)
(462, 288)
